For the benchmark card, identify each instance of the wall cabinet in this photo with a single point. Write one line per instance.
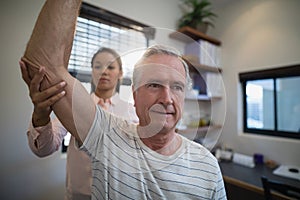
(204, 77)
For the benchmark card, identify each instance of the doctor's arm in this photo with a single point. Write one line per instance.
(44, 134)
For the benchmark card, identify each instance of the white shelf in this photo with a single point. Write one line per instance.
(203, 98)
(199, 129)
(190, 35)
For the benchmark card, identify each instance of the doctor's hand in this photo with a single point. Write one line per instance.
(42, 100)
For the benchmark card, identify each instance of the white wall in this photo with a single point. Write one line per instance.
(23, 175)
(256, 34)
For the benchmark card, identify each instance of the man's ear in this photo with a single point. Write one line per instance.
(133, 94)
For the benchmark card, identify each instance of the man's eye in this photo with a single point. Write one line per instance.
(153, 85)
(177, 87)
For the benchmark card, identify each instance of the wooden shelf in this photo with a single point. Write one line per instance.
(188, 34)
(206, 68)
(193, 62)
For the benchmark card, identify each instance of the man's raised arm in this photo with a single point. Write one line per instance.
(50, 46)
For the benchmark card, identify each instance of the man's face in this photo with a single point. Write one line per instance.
(159, 92)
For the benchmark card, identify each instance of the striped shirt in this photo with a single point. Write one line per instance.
(124, 168)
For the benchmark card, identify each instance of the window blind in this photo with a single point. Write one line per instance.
(98, 28)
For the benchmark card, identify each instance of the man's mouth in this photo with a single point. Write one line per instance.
(162, 113)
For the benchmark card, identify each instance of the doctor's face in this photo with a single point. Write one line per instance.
(106, 71)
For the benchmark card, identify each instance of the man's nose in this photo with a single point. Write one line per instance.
(166, 96)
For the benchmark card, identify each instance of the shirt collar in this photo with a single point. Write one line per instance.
(114, 99)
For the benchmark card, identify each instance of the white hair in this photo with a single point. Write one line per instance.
(162, 50)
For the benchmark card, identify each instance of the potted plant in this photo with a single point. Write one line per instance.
(197, 14)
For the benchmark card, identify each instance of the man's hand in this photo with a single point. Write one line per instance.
(42, 100)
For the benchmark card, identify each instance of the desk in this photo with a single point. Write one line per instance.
(245, 183)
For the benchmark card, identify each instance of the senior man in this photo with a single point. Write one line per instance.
(145, 161)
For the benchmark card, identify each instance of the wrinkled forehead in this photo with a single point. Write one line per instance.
(164, 59)
(160, 73)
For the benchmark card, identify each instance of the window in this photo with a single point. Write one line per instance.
(97, 27)
(271, 101)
